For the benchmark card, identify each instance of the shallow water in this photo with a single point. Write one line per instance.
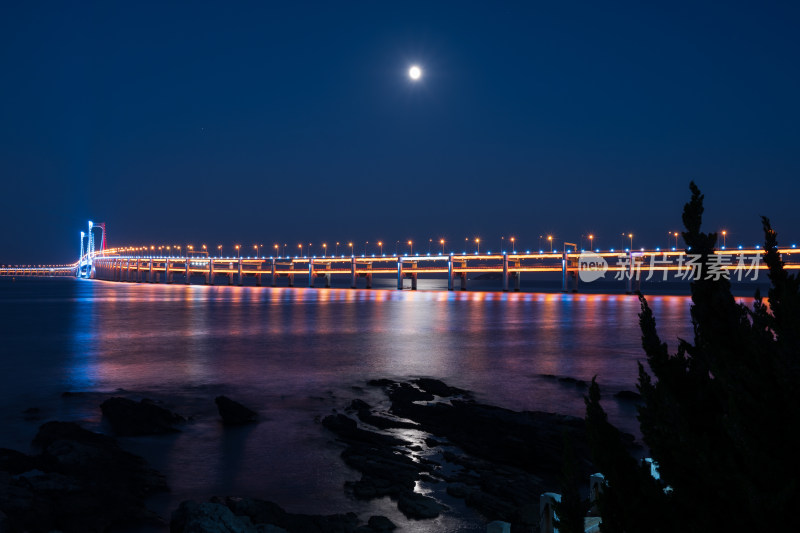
(294, 355)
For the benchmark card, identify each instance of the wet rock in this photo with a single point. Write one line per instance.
(380, 524)
(347, 429)
(207, 517)
(628, 395)
(268, 517)
(80, 482)
(233, 413)
(439, 388)
(129, 418)
(358, 405)
(15, 462)
(418, 506)
(577, 382)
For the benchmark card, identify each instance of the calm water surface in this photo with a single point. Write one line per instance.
(294, 355)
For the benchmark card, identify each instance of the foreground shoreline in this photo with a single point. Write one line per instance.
(434, 443)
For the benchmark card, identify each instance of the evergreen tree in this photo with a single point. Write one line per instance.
(721, 416)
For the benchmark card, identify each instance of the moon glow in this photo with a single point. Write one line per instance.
(415, 73)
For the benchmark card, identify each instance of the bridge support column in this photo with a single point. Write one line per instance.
(517, 275)
(210, 278)
(399, 273)
(258, 276)
(505, 272)
(450, 273)
(369, 276)
(127, 270)
(274, 278)
(311, 272)
(352, 272)
(463, 281)
(241, 275)
(414, 277)
(150, 271)
(188, 272)
(167, 273)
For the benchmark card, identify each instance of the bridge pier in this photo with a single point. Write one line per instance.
(188, 272)
(311, 273)
(210, 276)
(352, 272)
(569, 271)
(150, 271)
(258, 275)
(505, 272)
(167, 272)
(369, 276)
(399, 273)
(274, 279)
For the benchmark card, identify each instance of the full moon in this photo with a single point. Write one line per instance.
(415, 73)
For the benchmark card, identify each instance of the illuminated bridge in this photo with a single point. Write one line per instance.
(632, 267)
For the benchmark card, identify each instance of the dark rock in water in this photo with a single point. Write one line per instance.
(129, 418)
(418, 506)
(406, 392)
(233, 413)
(358, 405)
(577, 382)
(381, 523)
(248, 515)
(207, 517)
(439, 388)
(15, 462)
(347, 429)
(81, 481)
(380, 382)
(628, 395)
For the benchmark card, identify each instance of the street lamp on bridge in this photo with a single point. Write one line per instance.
(410, 247)
(219, 247)
(380, 245)
(238, 254)
(550, 238)
(441, 241)
(324, 249)
(513, 245)
(478, 244)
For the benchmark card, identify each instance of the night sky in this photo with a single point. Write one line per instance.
(224, 122)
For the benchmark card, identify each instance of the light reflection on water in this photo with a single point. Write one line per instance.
(293, 354)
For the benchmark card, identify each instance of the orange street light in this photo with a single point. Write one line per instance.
(350, 244)
(478, 245)
(724, 235)
(591, 241)
(380, 244)
(324, 249)
(219, 247)
(513, 246)
(410, 247)
(441, 241)
(237, 251)
(550, 238)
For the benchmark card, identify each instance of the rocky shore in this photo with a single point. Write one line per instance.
(425, 440)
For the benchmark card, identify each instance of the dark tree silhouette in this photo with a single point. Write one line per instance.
(721, 416)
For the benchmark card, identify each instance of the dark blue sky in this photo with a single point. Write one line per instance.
(210, 123)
